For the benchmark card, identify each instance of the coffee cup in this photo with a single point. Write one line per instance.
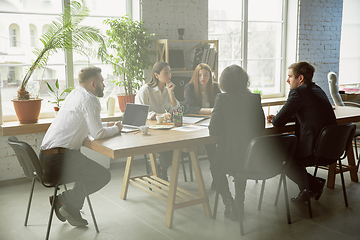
(144, 129)
(160, 118)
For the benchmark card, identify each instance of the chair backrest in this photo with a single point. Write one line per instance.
(267, 156)
(27, 158)
(334, 141)
(334, 89)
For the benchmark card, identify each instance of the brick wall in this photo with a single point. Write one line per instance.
(319, 37)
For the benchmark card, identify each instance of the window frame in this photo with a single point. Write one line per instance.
(289, 27)
(69, 61)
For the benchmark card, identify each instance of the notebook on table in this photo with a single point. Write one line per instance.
(135, 115)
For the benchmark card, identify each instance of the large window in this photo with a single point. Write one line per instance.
(349, 45)
(29, 19)
(251, 34)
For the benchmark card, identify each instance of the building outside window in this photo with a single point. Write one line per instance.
(252, 37)
(12, 37)
(33, 19)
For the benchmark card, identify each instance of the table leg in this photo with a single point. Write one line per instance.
(200, 182)
(126, 179)
(351, 162)
(172, 188)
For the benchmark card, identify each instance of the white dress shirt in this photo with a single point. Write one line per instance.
(78, 117)
(157, 100)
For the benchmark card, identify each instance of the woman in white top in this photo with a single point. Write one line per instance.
(159, 95)
(159, 92)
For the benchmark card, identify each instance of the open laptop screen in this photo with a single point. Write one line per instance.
(135, 114)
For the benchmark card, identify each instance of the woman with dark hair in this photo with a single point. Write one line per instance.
(201, 91)
(159, 92)
(236, 119)
(200, 95)
(159, 95)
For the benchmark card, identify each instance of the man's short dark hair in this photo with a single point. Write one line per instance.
(303, 68)
(88, 72)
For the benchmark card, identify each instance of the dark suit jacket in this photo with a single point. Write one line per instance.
(237, 118)
(194, 104)
(313, 111)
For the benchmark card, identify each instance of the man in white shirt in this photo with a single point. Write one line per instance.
(60, 153)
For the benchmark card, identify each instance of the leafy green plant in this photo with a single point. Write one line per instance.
(128, 42)
(55, 93)
(257, 91)
(64, 33)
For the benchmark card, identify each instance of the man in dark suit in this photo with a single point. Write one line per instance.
(309, 106)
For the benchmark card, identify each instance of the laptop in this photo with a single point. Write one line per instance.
(135, 115)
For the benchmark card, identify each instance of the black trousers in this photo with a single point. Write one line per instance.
(73, 166)
(298, 174)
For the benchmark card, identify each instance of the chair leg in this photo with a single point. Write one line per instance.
(51, 212)
(92, 214)
(240, 185)
(216, 196)
(286, 199)
(343, 184)
(357, 154)
(315, 171)
(278, 191)
(308, 201)
(190, 170)
(29, 203)
(261, 194)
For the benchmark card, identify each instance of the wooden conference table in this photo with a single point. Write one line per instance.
(130, 144)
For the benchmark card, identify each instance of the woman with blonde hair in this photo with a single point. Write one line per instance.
(201, 91)
(200, 95)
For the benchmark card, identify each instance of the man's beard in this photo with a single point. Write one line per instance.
(99, 92)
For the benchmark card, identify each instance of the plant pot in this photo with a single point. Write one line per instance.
(123, 99)
(56, 110)
(27, 111)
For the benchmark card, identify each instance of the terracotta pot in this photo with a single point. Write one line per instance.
(123, 99)
(56, 110)
(27, 111)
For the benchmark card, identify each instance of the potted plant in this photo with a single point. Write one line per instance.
(128, 42)
(64, 33)
(56, 95)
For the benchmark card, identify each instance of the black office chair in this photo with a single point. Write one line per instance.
(30, 163)
(333, 144)
(266, 157)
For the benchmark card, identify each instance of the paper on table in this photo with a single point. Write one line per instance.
(188, 128)
(192, 120)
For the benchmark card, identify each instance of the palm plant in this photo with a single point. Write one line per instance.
(64, 33)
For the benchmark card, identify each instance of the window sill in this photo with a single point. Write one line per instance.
(15, 128)
(273, 101)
